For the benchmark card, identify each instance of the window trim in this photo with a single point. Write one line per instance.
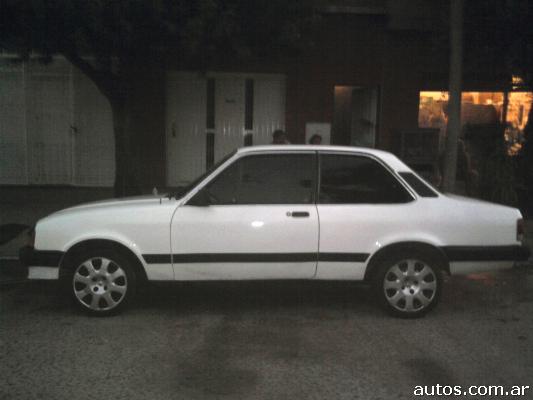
(427, 185)
(226, 161)
(233, 160)
(393, 173)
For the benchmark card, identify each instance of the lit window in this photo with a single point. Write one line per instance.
(479, 108)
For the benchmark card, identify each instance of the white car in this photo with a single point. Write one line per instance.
(280, 212)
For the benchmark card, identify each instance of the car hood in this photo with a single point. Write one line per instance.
(111, 203)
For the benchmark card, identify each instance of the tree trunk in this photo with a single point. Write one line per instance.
(116, 89)
(454, 102)
(527, 159)
(125, 180)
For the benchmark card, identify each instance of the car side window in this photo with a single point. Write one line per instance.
(266, 179)
(350, 179)
(420, 187)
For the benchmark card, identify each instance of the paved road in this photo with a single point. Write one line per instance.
(271, 340)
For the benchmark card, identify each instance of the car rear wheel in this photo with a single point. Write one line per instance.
(408, 285)
(102, 282)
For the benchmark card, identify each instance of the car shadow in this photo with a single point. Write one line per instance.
(317, 299)
(190, 298)
(249, 296)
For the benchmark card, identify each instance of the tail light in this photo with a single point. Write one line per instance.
(520, 229)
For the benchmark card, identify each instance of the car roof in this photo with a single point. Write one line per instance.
(393, 161)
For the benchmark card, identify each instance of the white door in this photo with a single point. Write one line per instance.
(186, 127)
(49, 123)
(55, 126)
(13, 160)
(360, 203)
(229, 114)
(261, 222)
(269, 107)
(206, 114)
(92, 134)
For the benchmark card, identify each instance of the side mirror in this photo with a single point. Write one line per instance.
(200, 199)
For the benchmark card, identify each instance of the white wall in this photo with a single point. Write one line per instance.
(55, 126)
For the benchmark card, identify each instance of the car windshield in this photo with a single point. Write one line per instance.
(186, 189)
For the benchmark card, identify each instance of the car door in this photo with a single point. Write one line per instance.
(360, 202)
(256, 219)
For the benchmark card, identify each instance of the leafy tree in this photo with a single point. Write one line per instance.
(108, 40)
(497, 46)
(498, 41)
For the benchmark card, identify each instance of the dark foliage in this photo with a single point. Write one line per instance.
(106, 40)
(499, 43)
(496, 181)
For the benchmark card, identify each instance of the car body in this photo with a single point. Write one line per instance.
(282, 212)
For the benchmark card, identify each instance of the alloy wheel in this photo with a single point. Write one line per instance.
(410, 285)
(100, 284)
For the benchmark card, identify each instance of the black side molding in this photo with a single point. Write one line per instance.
(157, 258)
(253, 257)
(228, 257)
(486, 253)
(343, 257)
(30, 257)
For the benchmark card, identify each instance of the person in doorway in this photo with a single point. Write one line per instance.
(315, 139)
(279, 137)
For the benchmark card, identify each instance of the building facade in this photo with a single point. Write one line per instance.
(362, 83)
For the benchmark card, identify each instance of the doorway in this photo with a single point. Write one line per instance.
(355, 116)
(210, 115)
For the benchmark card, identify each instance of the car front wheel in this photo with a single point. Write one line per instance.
(408, 285)
(102, 282)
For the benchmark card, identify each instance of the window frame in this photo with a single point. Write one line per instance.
(232, 160)
(426, 185)
(393, 173)
(197, 182)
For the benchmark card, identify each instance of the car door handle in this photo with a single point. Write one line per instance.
(298, 214)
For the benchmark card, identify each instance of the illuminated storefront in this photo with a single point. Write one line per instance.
(479, 108)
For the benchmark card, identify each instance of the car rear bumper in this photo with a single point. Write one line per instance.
(474, 259)
(42, 264)
(486, 253)
(474, 267)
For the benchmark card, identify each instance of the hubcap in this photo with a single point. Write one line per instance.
(410, 285)
(99, 284)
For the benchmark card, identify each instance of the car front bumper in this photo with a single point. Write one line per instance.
(42, 264)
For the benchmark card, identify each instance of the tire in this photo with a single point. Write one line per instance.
(100, 282)
(408, 284)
